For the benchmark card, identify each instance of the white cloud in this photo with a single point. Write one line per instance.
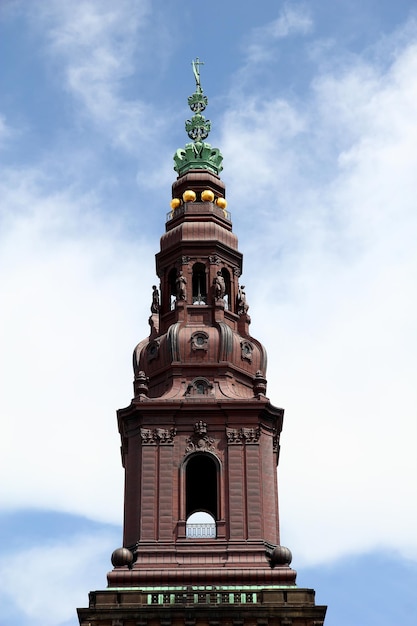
(334, 206)
(69, 320)
(47, 582)
(5, 131)
(97, 46)
(294, 19)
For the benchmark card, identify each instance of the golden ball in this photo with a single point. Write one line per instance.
(221, 202)
(189, 196)
(207, 195)
(175, 203)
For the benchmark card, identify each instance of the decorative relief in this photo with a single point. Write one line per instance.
(214, 259)
(246, 351)
(243, 435)
(157, 436)
(184, 260)
(152, 351)
(200, 440)
(275, 440)
(199, 341)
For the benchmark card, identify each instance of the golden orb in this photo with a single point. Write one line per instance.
(189, 196)
(221, 202)
(207, 195)
(175, 203)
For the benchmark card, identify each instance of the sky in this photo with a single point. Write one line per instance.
(313, 105)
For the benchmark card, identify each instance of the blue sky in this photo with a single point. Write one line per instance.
(314, 108)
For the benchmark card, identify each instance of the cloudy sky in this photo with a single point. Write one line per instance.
(313, 105)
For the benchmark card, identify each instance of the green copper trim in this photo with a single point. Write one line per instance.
(199, 154)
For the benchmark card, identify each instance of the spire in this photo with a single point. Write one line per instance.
(199, 154)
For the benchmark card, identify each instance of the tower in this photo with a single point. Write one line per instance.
(200, 439)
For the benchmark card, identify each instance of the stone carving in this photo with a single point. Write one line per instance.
(243, 435)
(155, 299)
(199, 440)
(157, 435)
(275, 441)
(246, 351)
(259, 383)
(214, 259)
(152, 350)
(199, 341)
(219, 286)
(141, 383)
(181, 286)
(242, 306)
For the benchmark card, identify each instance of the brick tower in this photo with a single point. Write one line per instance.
(200, 439)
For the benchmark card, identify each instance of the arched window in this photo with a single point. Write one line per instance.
(227, 296)
(199, 284)
(201, 485)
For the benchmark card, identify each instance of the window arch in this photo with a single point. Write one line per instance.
(199, 282)
(201, 485)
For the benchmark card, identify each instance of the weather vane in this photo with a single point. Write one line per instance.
(196, 72)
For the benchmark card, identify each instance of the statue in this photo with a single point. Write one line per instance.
(219, 286)
(181, 286)
(155, 300)
(242, 305)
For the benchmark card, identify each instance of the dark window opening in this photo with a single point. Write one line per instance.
(199, 284)
(172, 277)
(201, 485)
(226, 276)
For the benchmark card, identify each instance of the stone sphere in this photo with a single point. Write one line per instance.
(221, 202)
(281, 556)
(175, 203)
(207, 195)
(189, 195)
(121, 556)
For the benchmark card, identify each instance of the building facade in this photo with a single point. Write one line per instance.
(200, 439)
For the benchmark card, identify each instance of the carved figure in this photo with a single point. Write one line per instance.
(181, 286)
(219, 286)
(155, 299)
(242, 305)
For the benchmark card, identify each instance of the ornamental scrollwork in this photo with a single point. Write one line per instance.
(155, 436)
(246, 351)
(199, 341)
(199, 440)
(275, 441)
(243, 435)
(152, 350)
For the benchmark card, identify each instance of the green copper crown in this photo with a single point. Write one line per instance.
(199, 154)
